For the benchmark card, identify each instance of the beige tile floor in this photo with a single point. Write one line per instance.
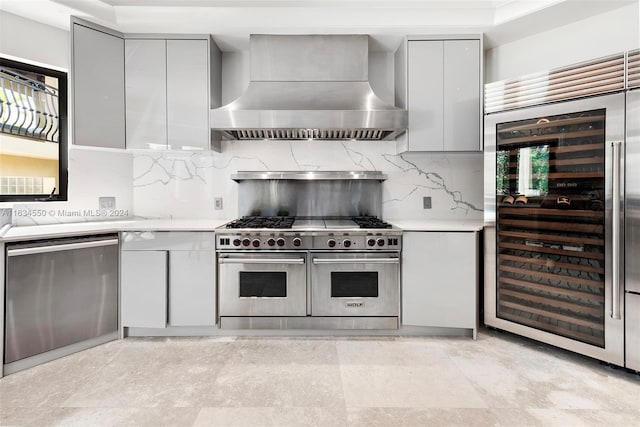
(497, 380)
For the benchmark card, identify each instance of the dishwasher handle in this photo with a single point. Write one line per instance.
(61, 247)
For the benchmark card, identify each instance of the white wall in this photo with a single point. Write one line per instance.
(594, 37)
(235, 75)
(381, 75)
(33, 41)
(92, 173)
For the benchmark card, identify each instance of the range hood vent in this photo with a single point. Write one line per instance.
(309, 87)
(306, 134)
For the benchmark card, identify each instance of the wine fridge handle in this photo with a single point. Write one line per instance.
(615, 232)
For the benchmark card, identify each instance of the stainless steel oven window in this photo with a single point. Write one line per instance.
(354, 284)
(263, 284)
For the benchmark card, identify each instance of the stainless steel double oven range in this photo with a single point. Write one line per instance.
(310, 272)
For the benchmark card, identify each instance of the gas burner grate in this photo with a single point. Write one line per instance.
(370, 222)
(262, 222)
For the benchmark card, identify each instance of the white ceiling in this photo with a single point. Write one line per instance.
(231, 21)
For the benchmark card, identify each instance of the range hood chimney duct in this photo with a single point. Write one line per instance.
(309, 87)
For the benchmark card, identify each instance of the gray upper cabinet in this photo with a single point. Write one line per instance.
(188, 94)
(146, 71)
(426, 115)
(439, 82)
(167, 93)
(98, 85)
(461, 95)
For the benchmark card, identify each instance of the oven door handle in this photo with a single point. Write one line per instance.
(356, 261)
(225, 260)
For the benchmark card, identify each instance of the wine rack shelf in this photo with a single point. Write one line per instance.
(551, 257)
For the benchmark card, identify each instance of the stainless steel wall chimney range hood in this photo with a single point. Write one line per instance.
(309, 87)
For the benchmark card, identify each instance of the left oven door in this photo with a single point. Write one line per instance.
(263, 284)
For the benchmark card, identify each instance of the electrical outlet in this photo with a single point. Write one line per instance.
(217, 203)
(426, 202)
(107, 202)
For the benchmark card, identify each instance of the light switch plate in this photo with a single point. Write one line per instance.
(107, 202)
(426, 202)
(217, 203)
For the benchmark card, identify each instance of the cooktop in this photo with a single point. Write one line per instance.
(309, 223)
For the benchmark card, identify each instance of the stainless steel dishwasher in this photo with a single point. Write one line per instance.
(61, 297)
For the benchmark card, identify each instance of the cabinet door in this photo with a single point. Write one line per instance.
(461, 99)
(188, 94)
(192, 288)
(439, 279)
(632, 331)
(98, 88)
(424, 95)
(146, 93)
(143, 283)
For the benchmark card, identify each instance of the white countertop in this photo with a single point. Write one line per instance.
(76, 228)
(438, 225)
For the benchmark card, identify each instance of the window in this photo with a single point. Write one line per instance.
(33, 132)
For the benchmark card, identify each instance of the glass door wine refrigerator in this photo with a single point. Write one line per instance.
(553, 200)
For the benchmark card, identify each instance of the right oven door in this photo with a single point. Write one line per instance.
(355, 284)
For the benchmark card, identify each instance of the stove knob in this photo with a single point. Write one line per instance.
(297, 241)
(371, 242)
(236, 242)
(331, 243)
(280, 241)
(271, 242)
(380, 242)
(246, 242)
(256, 243)
(346, 243)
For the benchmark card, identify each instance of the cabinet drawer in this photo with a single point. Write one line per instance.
(168, 240)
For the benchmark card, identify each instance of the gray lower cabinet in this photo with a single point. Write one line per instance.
(168, 279)
(439, 83)
(632, 331)
(97, 71)
(440, 279)
(192, 291)
(143, 278)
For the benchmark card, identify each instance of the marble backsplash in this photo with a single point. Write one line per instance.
(93, 173)
(184, 185)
